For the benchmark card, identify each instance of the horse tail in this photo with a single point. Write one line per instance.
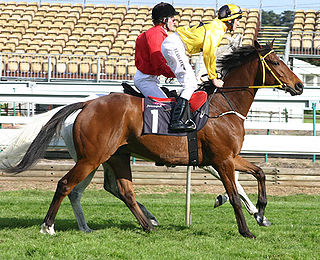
(39, 145)
(22, 139)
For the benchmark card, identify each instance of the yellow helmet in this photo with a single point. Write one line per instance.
(229, 12)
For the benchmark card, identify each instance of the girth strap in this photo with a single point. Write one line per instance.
(193, 148)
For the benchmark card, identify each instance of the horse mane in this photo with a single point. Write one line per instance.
(239, 57)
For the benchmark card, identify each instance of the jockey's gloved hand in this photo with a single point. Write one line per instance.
(169, 80)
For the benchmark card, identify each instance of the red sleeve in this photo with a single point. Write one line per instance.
(157, 60)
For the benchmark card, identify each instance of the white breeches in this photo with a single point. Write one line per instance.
(148, 85)
(174, 51)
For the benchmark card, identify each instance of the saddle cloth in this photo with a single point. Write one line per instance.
(157, 113)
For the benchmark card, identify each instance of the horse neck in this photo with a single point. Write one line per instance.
(245, 75)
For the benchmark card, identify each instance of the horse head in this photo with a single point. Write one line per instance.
(276, 72)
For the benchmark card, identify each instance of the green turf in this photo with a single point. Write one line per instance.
(294, 234)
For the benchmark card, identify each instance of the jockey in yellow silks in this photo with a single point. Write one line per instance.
(204, 38)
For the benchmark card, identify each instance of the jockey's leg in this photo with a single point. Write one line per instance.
(174, 52)
(148, 85)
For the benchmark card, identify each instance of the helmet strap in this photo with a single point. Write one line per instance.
(165, 23)
(230, 25)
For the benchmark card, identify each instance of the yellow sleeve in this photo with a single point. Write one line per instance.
(212, 40)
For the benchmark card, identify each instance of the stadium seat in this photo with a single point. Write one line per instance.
(109, 67)
(308, 27)
(127, 51)
(85, 66)
(131, 68)
(36, 66)
(295, 43)
(210, 12)
(306, 42)
(12, 65)
(25, 65)
(121, 67)
(73, 65)
(297, 27)
(102, 52)
(316, 44)
(311, 14)
(61, 65)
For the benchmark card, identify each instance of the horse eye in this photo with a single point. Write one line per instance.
(276, 63)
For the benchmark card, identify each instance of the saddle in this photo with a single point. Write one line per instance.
(157, 115)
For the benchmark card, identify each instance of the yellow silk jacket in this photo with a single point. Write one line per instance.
(204, 37)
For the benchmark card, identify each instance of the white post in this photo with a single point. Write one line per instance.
(188, 213)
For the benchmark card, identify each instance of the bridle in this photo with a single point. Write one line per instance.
(264, 67)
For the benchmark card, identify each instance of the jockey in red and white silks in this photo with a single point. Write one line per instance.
(148, 57)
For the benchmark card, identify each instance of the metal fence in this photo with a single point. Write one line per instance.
(58, 66)
(50, 67)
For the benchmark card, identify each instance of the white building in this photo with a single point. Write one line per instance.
(308, 73)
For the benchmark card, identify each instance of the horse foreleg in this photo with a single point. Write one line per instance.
(226, 172)
(65, 185)
(120, 164)
(221, 199)
(245, 166)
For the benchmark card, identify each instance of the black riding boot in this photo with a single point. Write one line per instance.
(177, 124)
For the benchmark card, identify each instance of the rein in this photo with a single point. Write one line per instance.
(264, 67)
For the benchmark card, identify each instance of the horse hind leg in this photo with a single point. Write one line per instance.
(245, 166)
(65, 185)
(120, 164)
(75, 200)
(110, 185)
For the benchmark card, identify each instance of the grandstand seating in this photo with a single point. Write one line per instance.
(305, 38)
(69, 30)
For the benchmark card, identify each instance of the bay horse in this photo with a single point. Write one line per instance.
(109, 129)
(19, 144)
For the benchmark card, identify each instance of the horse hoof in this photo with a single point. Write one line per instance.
(248, 234)
(154, 222)
(265, 222)
(262, 221)
(220, 200)
(87, 230)
(47, 229)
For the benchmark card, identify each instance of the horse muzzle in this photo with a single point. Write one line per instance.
(297, 90)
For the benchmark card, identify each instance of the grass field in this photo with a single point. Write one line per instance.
(294, 234)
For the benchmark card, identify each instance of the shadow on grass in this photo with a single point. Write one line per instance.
(63, 224)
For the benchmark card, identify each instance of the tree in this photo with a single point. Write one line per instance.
(272, 19)
(286, 18)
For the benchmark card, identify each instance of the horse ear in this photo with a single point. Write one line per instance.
(271, 44)
(257, 45)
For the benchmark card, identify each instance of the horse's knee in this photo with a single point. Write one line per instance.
(261, 175)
